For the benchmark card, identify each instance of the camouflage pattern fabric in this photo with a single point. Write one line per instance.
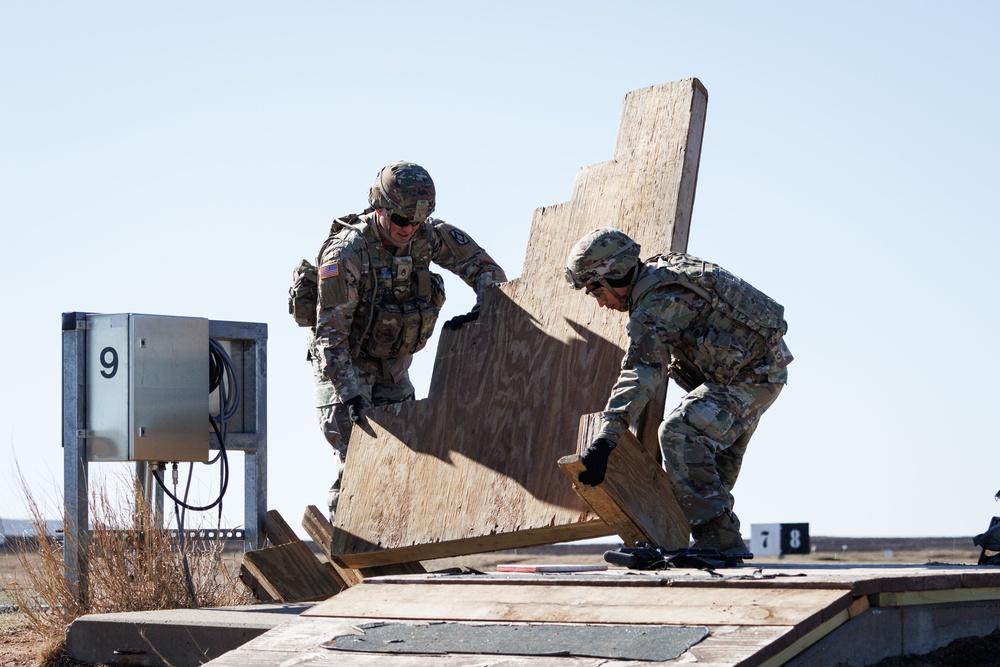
(343, 365)
(601, 254)
(336, 423)
(732, 373)
(405, 188)
(343, 290)
(703, 442)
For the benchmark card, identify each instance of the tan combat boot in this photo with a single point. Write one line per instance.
(721, 533)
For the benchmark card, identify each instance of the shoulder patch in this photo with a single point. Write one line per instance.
(329, 270)
(460, 238)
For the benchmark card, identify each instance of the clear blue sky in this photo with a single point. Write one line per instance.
(180, 159)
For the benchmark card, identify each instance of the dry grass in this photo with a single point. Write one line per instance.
(134, 565)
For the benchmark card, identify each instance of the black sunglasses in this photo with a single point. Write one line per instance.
(401, 221)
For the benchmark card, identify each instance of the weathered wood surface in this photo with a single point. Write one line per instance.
(320, 530)
(736, 607)
(276, 529)
(291, 573)
(288, 571)
(473, 467)
(635, 498)
(586, 604)
(299, 642)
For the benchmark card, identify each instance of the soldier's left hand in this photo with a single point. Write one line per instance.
(457, 321)
(595, 460)
(356, 407)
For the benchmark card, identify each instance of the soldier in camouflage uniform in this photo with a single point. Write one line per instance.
(718, 337)
(378, 301)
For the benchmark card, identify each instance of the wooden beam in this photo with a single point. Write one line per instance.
(277, 530)
(291, 573)
(587, 603)
(320, 529)
(635, 498)
(945, 596)
(254, 585)
(472, 468)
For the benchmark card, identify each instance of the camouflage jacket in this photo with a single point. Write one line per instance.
(722, 332)
(368, 295)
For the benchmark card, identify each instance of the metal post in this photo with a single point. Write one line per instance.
(74, 414)
(249, 437)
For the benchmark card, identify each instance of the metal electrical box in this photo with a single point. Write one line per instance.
(147, 388)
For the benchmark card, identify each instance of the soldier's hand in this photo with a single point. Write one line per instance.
(595, 460)
(356, 407)
(457, 321)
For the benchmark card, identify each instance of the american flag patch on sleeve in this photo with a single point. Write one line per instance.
(331, 270)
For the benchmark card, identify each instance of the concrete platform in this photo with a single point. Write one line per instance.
(174, 637)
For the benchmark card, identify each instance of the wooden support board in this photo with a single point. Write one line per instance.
(319, 528)
(635, 498)
(287, 571)
(586, 603)
(291, 573)
(473, 467)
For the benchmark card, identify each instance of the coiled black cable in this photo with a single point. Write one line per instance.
(221, 376)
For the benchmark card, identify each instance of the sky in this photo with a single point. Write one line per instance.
(180, 159)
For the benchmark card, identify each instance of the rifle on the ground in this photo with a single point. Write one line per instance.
(645, 556)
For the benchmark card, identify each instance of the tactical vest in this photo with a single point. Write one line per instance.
(742, 325)
(401, 297)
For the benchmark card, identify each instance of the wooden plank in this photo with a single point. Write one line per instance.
(320, 529)
(945, 596)
(291, 573)
(481, 544)
(585, 604)
(549, 567)
(254, 586)
(737, 645)
(298, 642)
(635, 498)
(472, 467)
(277, 531)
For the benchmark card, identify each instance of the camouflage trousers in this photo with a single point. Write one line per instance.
(336, 423)
(703, 442)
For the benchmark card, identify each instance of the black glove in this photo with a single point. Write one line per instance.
(595, 460)
(457, 321)
(355, 407)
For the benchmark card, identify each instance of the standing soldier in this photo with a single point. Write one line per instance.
(378, 300)
(718, 337)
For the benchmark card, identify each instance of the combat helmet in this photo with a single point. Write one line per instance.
(404, 188)
(604, 257)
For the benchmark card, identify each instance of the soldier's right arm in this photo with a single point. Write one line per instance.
(340, 284)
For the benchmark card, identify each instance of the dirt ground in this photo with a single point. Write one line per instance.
(21, 646)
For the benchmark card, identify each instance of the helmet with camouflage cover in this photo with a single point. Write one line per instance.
(605, 257)
(404, 188)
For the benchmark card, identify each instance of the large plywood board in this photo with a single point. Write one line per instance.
(473, 467)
